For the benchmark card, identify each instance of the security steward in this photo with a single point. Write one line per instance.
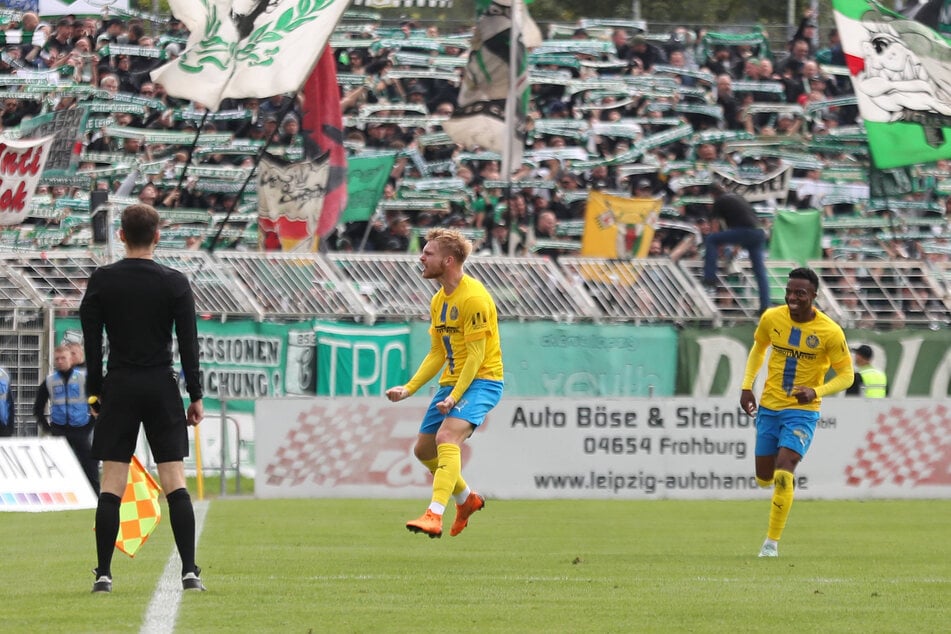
(65, 391)
(7, 406)
(870, 382)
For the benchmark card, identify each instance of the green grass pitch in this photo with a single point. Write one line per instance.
(521, 566)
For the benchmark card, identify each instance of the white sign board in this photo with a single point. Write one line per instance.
(676, 448)
(42, 474)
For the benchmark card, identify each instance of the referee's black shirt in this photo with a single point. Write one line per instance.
(138, 301)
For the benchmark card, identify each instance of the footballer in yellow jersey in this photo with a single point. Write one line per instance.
(800, 355)
(467, 314)
(803, 343)
(465, 348)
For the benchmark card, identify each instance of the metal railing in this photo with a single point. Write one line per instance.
(365, 288)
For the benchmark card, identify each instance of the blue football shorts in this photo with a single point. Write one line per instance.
(473, 407)
(789, 428)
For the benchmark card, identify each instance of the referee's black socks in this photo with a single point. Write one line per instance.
(107, 528)
(181, 515)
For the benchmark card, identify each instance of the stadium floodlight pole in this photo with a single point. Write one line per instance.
(257, 159)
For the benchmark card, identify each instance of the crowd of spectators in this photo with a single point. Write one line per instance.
(397, 84)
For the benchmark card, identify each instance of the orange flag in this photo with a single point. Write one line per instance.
(139, 513)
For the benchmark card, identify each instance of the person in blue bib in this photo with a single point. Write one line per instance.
(65, 391)
(7, 406)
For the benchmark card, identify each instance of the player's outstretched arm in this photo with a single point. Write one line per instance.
(398, 393)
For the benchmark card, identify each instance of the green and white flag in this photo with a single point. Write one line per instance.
(901, 71)
(250, 48)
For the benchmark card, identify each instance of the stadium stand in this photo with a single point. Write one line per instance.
(714, 105)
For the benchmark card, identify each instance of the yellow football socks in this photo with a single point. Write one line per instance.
(783, 493)
(761, 483)
(461, 485)
(448, 473)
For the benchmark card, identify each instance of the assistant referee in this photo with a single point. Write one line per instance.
(138, 301)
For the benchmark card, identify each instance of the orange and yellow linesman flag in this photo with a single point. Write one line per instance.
(607, 220)
(139, 513)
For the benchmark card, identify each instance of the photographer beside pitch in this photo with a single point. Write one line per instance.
(805, 342)
(465, 339)
(138, 301)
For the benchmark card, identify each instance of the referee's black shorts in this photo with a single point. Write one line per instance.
(149, 396)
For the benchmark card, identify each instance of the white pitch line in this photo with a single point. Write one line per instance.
(162, 612)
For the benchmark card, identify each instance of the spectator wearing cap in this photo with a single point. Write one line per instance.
(869, 382)
(397, 235)
(62, 39)
(416, 94)
(113, 29)
(176, 28)
(271, 128)
(645, 55)
(807, 31)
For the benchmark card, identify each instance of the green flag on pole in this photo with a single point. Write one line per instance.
(366, 177)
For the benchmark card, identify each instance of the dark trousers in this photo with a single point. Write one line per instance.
(751, 239)
(80, 440)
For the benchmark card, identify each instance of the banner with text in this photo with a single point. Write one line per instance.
(242, 360)
(674, 448)
(550, 359)
(355, 360)
(42, 474)
(21, 165)
(917, 363)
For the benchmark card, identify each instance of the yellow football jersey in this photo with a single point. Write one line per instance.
(800, 354)
(467, 314)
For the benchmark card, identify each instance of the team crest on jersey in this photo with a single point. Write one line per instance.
(454, 313)
(812, 341)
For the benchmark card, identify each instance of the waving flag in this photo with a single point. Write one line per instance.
(139, 513)
(493, 98)
(247, 48)
(901, 72)
(323, 121)
(21, 165)
(366, 179)
(290, 199)
(609, 219)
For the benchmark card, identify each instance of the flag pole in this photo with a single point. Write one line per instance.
(511, 107)
(188, 158)
(257, 159)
